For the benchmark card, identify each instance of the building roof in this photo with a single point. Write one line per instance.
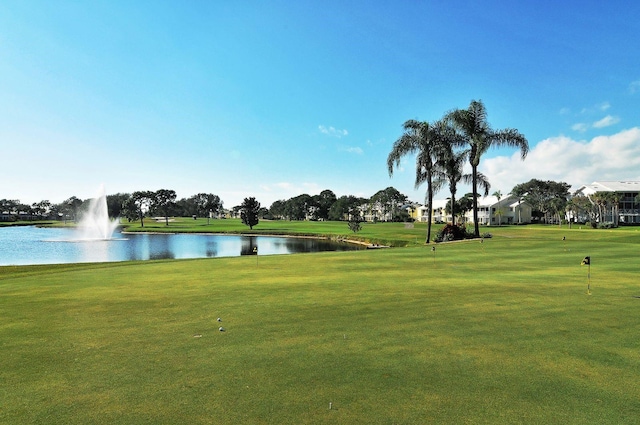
(610, 186)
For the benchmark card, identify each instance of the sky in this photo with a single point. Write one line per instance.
(273, 99)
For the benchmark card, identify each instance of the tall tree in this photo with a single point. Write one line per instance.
(324, 201)
(421, 139)
(249, 210)
(164, 199)
(72, 206)
(543, 196)
(480, 137)
(139, 204)
(277, 210)
(387, 202)
(206, 204)
(115, 204)
(346, 207)
(450, 165)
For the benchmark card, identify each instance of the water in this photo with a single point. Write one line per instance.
(25, 245)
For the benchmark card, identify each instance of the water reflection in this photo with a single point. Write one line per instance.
(249, 246)
(32, 245)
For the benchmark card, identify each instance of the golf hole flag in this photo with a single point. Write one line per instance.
(586, 261)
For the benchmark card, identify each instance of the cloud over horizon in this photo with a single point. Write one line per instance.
(614, 157)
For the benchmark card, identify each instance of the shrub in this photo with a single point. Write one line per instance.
(452, 233)
(606, 225)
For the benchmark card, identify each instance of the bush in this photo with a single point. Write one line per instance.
(606, 225)
(453, 233)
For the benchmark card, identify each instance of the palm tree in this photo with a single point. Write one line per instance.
(498, 195)
(419, 138)
(451, 163)
(480, 137)
(615, 198)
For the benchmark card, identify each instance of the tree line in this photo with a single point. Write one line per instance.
(132, 206)
(383, 205)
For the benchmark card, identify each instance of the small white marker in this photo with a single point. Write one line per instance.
(329, 405)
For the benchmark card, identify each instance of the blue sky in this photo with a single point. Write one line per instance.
(274, 99)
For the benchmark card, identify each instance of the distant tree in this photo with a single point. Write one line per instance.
(546, 197)
(344, 206)
(278, 209)
(203, 205)
(462, 207)
(387, 201)
(41, 208)
(9, 205)
(499, 211)
(249, 210)
(480, 137)
(72, 207)
(355, 223)
(115, 204)
(323, 202)
(138, 205)
(299, 207)
(164, 200)
(581, 206)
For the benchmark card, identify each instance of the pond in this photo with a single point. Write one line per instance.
(27, 245)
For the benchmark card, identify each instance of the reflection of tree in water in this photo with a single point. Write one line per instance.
(160, 248)
(316, 245)
(248, 244)
(211, 249)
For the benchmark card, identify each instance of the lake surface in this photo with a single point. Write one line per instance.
(26, 245)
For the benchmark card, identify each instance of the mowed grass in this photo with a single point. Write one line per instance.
(495, 332)
(395, 234)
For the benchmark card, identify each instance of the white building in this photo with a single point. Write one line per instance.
(506, 210)
(491, 211)
(628, 209)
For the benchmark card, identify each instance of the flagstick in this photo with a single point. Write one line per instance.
(589, 279)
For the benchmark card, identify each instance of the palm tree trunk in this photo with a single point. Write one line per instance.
(474, 177)
(430, 206)
(453, 208)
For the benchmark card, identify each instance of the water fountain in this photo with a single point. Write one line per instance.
(95, 223)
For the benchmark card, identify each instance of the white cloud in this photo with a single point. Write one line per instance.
(352, 149)
(332, 131)
(604, 106)
(615, 157)
(581, 127)
(634, 87)
(606, 121)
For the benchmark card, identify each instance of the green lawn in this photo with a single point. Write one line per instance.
(495, 332)
(396, 234)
